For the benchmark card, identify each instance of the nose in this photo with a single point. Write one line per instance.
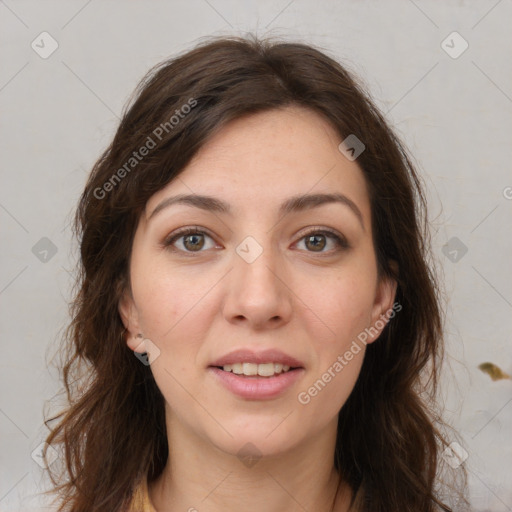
(257, 293)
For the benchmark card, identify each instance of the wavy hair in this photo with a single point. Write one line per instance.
(112, 430)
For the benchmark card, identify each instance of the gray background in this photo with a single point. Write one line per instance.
(59, 112)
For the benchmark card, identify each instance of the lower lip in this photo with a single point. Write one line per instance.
(257, 388)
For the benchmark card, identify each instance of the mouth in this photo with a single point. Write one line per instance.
(257, 375)
(257, 382)
(253, 370)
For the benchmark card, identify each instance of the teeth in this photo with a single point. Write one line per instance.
(265, 370)
(251, 369)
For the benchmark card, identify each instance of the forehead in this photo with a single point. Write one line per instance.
(259, 159)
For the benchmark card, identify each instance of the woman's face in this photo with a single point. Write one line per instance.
(261, 271)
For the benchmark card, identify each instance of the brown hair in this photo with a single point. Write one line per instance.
(113, 430)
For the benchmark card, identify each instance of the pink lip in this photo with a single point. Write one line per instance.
(265, 356)
(255, 387)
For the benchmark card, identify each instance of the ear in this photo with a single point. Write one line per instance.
(130, 317)
(384, 306)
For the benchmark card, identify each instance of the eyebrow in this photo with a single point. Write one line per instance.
(293, 204)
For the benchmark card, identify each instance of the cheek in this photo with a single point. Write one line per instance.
(173, 316)
(165, 298)
(175, 313)
(344, 304)
(329, 386)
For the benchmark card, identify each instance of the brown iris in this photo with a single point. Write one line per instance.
(316, 244)
(197, 242)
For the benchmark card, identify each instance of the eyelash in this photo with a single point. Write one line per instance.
(340, 241)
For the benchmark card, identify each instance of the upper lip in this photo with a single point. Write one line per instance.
(259, 357)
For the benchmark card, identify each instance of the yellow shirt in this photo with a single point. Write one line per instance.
(140, 498)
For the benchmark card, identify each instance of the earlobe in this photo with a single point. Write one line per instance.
(129, 317)
(383, 309)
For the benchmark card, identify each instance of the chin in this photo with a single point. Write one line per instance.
(250, 450)
(257, 440)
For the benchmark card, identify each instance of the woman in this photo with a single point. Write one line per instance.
(258, 322)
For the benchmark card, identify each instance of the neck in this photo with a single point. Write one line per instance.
(199, 476)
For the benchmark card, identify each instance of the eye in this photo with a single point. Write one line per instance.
(188, 240)
(192, 239)
(317, 240)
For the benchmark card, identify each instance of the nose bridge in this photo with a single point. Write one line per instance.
(257, 290)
